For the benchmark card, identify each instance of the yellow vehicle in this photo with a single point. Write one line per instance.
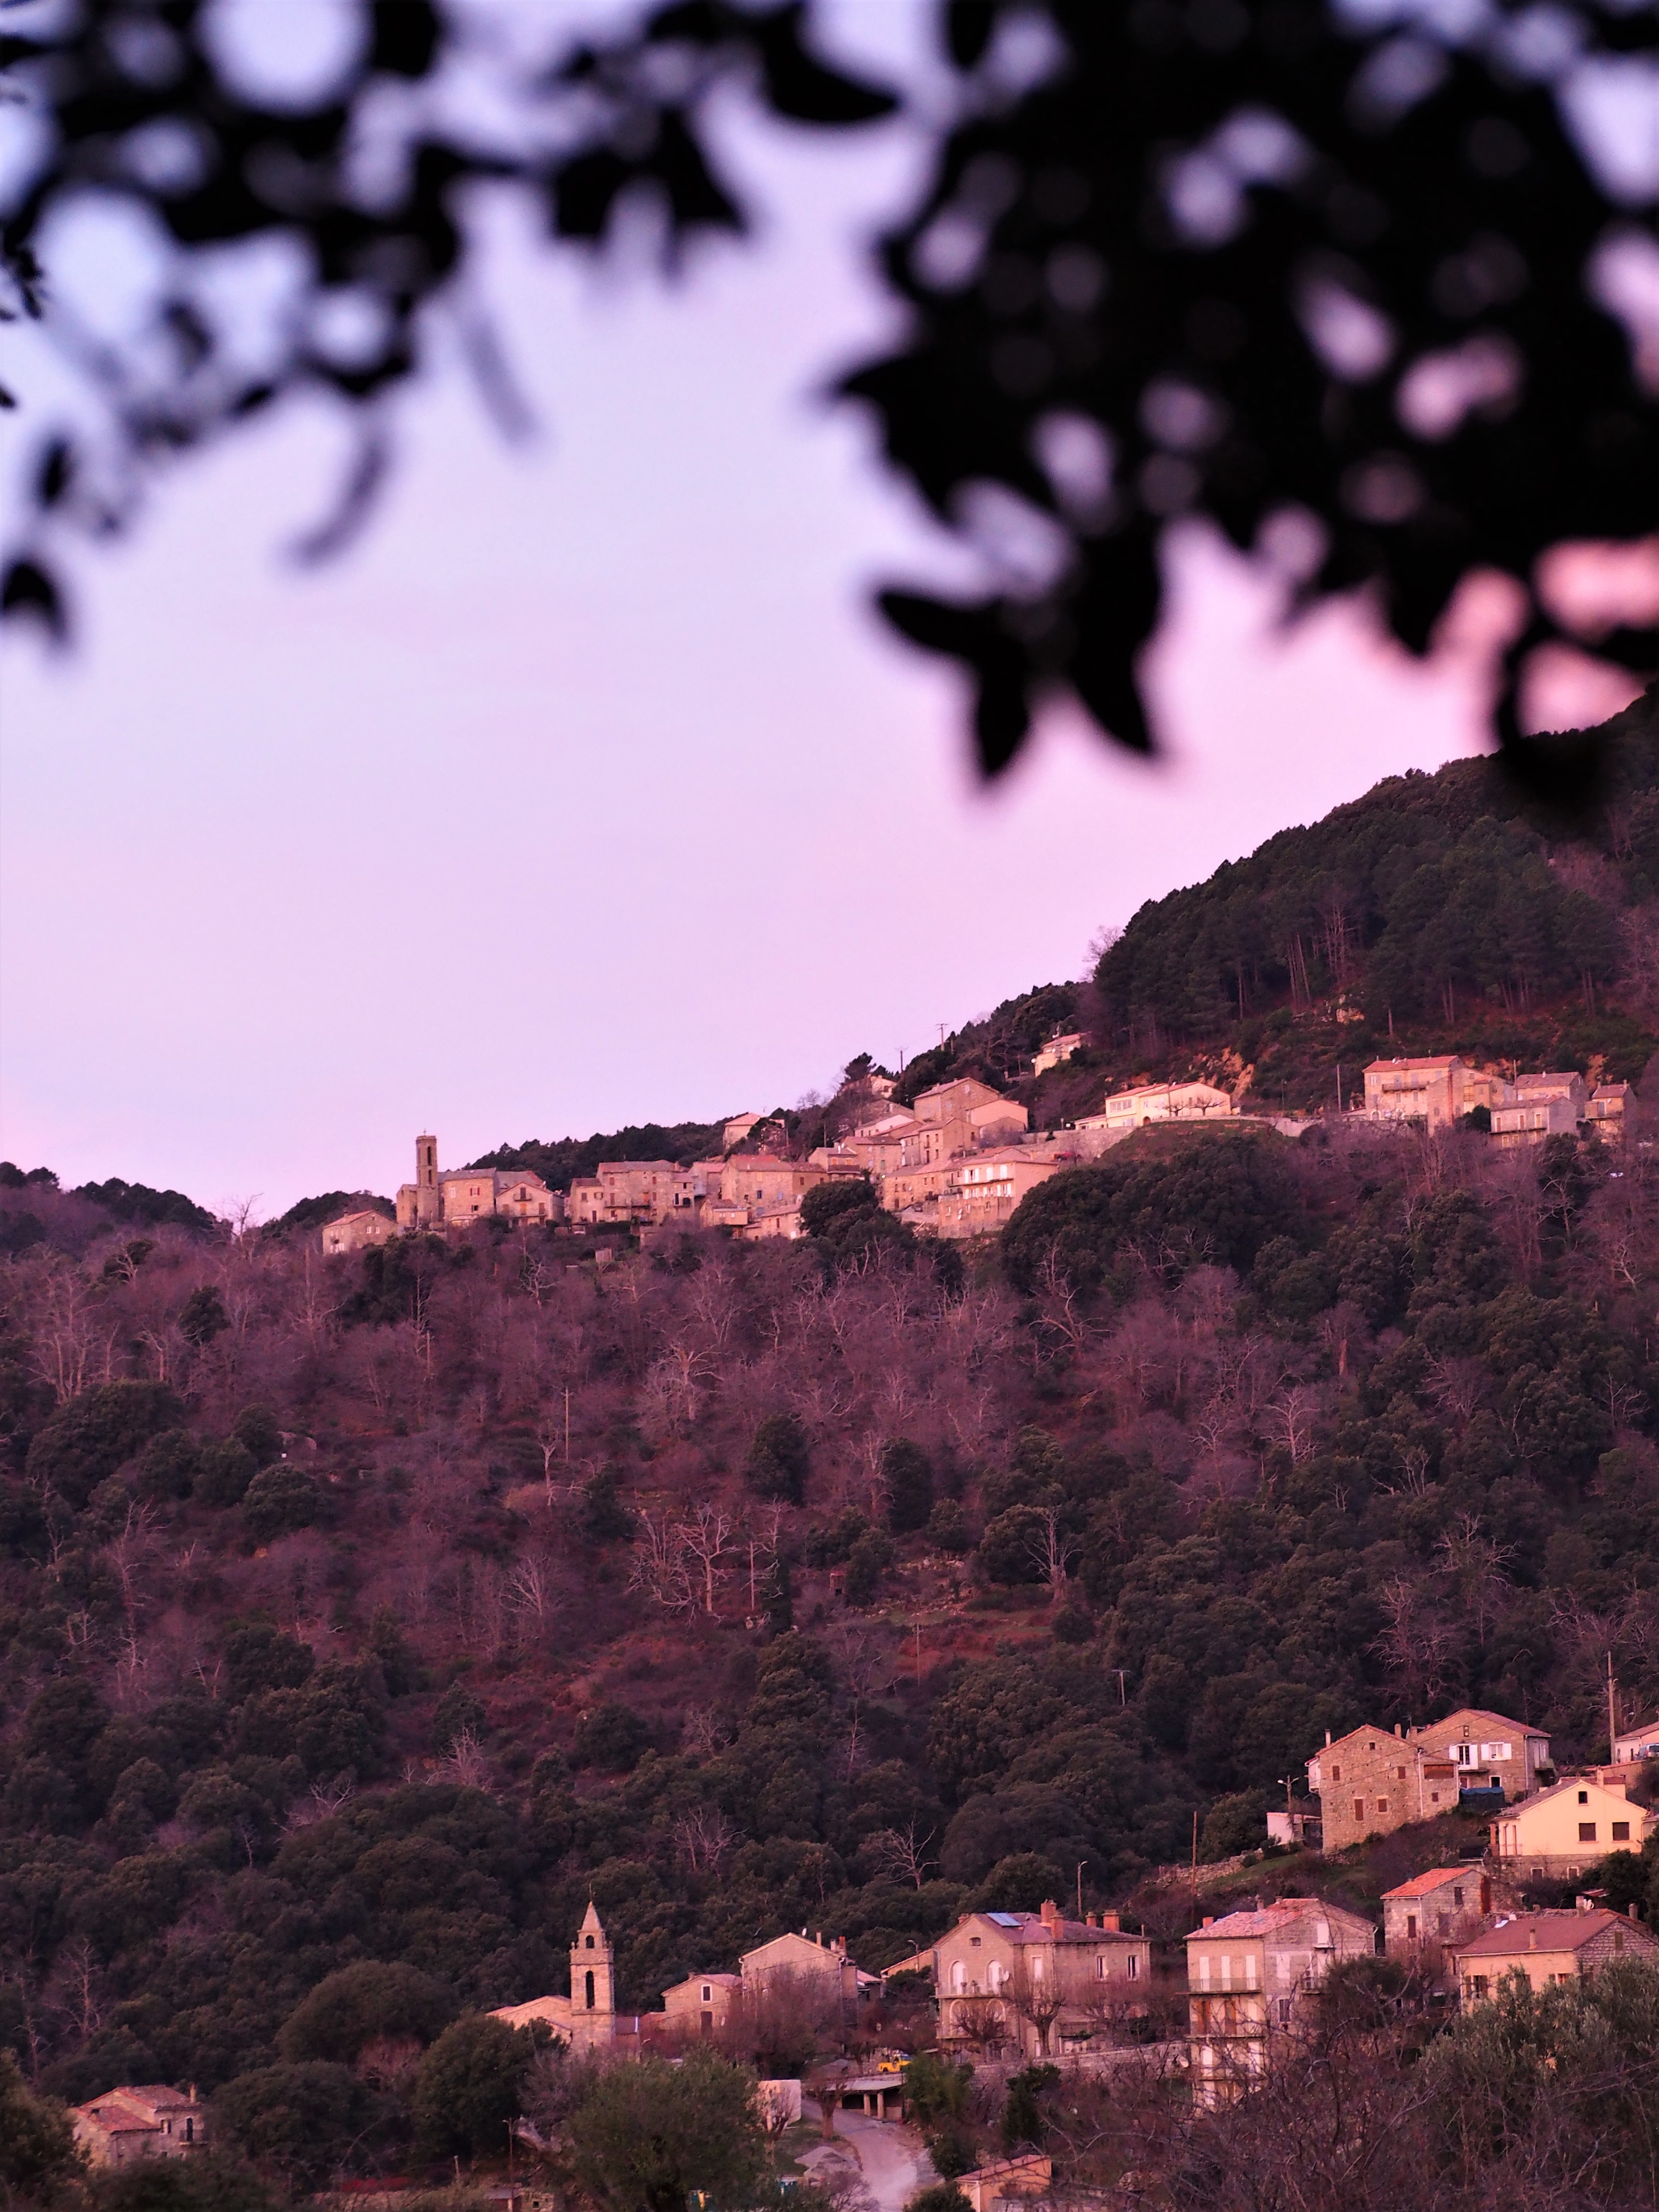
(892, 2062)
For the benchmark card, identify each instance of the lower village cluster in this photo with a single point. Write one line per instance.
(1012, 1989)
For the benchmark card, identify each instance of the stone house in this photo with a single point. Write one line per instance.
(761, 1179)
(450, 1198)
(1057, 1049)
(878, 1149)
(1547, 1948)
(1561, 1832)
(1035, 1983)
(1436, 1091)
(801, 1958)
(1427, 1917)
(1610, 1109)
(1008, 2181)
(1249, 1975)
(1636, 1743)
(990, 1185)
(702, 2005)
(1374, 1780)
(1488, 1751)
(984, 1113)
(738, 1128)
(128, 2124)
(350, 1232)
(1160, 1101)
(626, 1193)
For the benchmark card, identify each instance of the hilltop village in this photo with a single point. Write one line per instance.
(956, 1162)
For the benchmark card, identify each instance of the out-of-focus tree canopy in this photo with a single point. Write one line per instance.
(1368, 283)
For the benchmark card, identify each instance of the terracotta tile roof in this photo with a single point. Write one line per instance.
(1554, 1931)
(1425, 1885)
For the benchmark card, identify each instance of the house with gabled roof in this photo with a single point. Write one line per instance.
(1545, 1948)
(1249, 1975)
(1035, 1983)
(153, 2120)
(1425, 1920)
(1561, 1832)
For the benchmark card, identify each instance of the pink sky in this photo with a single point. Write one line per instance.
(586, 789)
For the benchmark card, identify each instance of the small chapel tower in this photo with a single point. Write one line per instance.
(428, 1202)
(593, 1997)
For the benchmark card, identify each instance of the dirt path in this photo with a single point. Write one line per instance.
(892, 2159)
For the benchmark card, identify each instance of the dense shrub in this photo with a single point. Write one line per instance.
(280, 1501)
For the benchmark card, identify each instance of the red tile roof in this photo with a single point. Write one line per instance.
(1554, 1931)
(1425, 1885)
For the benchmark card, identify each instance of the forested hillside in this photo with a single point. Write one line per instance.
(1439, 912)
(378, 1612)
(322, 1643)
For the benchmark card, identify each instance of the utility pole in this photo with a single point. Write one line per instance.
(1612, 1713)
(567, 1425)
(1338, 1086)
(1195, 1862)
(1122, 1695)
(1080, 1865)
(917, 1625)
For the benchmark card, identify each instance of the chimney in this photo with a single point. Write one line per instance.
(1051, 1919)
(1328, 1739)
(1585, 1903)
(818, 1939)
(1633, 1914)
(1209, 1920)
(1112, 1921)
(1532, 1939)
(1398, 1729)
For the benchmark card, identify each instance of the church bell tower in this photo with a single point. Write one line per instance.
(428, 1200)
(593, 1999)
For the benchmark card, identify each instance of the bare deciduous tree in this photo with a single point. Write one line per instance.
(901, 1854)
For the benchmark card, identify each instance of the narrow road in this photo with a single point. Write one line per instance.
(893, 2160)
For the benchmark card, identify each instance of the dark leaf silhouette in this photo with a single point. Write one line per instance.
(1363, 294)
(27, 589)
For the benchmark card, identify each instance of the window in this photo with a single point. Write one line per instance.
(959, 1973)
(1618, 1939)
(1382, 1804)
(1226, 1970)
(590, 1992)
(1399, 1774)
(1284, 2004)
(588, 1943)
(1584, 1796)
(1621, 1832)
(1132, 1967)
(1457, 1900)
(1411, 1927)
(1100, 1966)
(1249, 1970)
(1359, 1808)
(1477, 1986)
(1204, 1970)
(1587, 1831)
(1336, 1774)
